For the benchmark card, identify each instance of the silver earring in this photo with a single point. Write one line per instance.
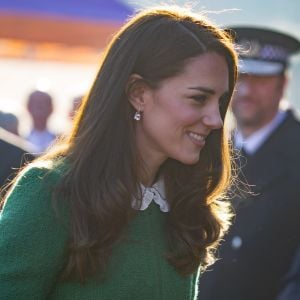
(137, 116)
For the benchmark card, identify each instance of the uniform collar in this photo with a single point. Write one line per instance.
(255, 140)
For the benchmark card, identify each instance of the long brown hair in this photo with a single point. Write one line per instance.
(101, 178)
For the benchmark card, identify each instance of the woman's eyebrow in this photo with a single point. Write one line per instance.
(207, 90)
(203, 89)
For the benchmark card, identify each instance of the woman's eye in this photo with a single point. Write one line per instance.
(199, 98)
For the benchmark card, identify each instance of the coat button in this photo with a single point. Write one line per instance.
(236, 243)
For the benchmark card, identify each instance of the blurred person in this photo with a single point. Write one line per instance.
(9, 122)
(14, 153)
(40, 108)
(260, 245)
(132, 205)
(76, 102)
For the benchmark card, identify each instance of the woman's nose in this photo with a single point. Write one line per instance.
(212, 118)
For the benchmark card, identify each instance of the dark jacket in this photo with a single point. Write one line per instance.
(260, 245)
(13, 154)
(291, 286)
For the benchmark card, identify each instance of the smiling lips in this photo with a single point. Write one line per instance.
(197, 139)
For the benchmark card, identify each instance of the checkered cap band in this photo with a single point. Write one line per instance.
(269, 52)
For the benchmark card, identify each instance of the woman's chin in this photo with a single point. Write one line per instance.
(191, 160)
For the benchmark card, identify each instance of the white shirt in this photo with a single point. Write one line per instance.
(154, 193)
(255, 140)
(41, 140)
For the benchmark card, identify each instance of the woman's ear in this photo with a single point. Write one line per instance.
(136, 89)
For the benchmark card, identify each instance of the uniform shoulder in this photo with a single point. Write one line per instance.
(13, 142)
(289, 142)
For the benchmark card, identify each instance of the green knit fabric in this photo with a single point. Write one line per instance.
(32, 251)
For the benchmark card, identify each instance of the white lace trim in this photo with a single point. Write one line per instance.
(154, 193)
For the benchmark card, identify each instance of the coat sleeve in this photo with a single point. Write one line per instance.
(291, 287)
(32, 238)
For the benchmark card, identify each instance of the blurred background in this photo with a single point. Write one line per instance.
(56, 46)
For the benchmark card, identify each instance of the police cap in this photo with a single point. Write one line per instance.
(263, 51)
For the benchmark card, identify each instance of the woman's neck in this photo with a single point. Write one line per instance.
(148, 178)
(150, 163)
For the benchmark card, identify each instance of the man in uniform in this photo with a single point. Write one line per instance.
(258, 250)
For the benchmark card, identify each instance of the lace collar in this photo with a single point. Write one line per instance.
(155, 193)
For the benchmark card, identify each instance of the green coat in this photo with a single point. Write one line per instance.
(33, 252)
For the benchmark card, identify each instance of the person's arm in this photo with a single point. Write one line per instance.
(32, 239)
(291, 288)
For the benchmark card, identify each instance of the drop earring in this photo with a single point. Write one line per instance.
(138, 115)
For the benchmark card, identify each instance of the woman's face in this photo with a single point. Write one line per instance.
(179, 114)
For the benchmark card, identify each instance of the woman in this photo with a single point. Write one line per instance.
(134, 204)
